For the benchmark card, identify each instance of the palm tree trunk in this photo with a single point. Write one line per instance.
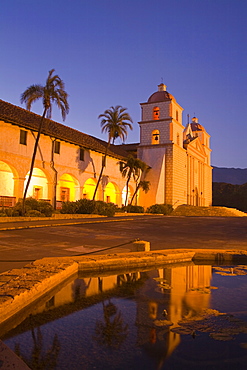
(32, 162)
(135, 192)
(127, 191)
(102, 168)
(54, 200)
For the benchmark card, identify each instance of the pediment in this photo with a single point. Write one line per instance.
(196, 146)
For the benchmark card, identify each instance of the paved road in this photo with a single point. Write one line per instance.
(91, 235)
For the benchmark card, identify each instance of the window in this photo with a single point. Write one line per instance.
(57, 147)
(81, 154)
(37, 192)
(176, 115)
(23, 137)
(64, 194)
(156, 113)
(155, 137)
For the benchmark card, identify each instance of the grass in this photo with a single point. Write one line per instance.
(215, 211)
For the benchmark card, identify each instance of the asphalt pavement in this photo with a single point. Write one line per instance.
(24, 241)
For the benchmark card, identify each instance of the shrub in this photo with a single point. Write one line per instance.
(69, 207)
(45, 208)
(164, 209)
(2, 212)
(11, 212)
(17, 209)
(31, 204)
(133, 209)
(85, 206)
(105, 209)
(34, 213)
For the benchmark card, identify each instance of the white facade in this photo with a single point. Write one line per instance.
(180, 162)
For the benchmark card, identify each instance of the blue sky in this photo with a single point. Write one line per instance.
(116, 52)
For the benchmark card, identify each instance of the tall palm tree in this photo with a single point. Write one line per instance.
(52, 92)
(133, 167)
(114, 122)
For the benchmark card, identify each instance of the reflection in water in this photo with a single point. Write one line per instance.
(40, 359)
(136, 320)
(171, 295)
(112, 331)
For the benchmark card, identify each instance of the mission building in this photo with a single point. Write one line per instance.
(68, 161)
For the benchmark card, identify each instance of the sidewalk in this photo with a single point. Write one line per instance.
(17, 223)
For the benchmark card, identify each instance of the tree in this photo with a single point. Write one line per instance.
(133, 167)
(111, 332)
(52, 92)
(114, 122)
(144, 185)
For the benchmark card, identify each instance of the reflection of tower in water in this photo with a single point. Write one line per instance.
(170, 295)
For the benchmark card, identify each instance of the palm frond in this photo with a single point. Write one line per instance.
(31, 94)
(113, 122)
(52, 92)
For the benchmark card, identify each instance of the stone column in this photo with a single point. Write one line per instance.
(18, 187)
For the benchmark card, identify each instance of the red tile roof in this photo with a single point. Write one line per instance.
(18, 116)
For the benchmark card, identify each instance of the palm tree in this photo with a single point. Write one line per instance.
(111, 332)
(114, 122)
(40, 358)
(133, 167)
(144, 185)
(53, 91)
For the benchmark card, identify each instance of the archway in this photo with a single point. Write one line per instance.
(6, 180)
(7, 186)
(38, 187)
(88, 189)
(130, 193)
(68, 188)
(110, 193)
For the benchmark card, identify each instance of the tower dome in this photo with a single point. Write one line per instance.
(160, 95)
(195, 125)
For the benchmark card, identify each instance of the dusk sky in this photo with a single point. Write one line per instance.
(116, 52)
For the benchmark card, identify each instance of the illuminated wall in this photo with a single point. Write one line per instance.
(6, 180)
(73, 177)
(111, 193)
(180, 170)
(68, 188)
(38, 187)
(89, 188)
(124, 193)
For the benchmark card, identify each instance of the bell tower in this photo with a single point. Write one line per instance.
(161, 121)
(161, 135)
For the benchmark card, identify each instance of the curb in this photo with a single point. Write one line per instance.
(62, 224)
